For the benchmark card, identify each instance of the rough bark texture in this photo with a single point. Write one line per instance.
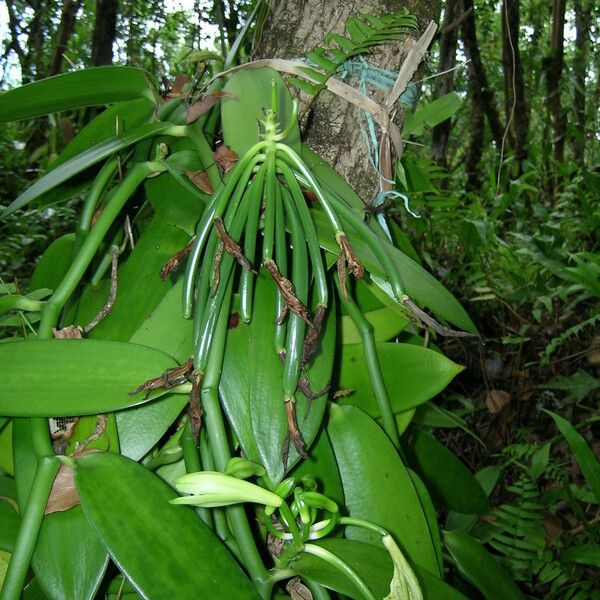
(515, 107)
(295, 27)
(476, 130)
(554, 64)
(63, 35)
(583, 12)
(444, 84)
(469, 35)
(105, 30)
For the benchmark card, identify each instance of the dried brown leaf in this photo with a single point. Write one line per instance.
(176, 90)
(202, 106)
(231, 246)
(63, 495)
(496, 400)
(225, 157)
(70, 332)
(286, 287)
(201, 180)
(175, 261)
(297, 590)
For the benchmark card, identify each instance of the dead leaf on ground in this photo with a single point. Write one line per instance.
(201, 180)
(225, 157)
(496, 400)
(593, 356)
(202, 106)
(554, 528)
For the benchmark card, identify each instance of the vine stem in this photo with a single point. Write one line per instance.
(370, 350)
(47, 463)
(220, 449)
(341, 566)
(31, 522)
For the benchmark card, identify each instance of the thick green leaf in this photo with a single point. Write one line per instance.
(590, 467)
(446, 477)
(163, 549)
(418, 283)
(87, 87)
(321, 465)
(33, 591)
(431, 517)
(140, 427)
(75, 567)
(412, 375)
(82, 161)
(54, 378)
(372, 564)
(377, 486)
(140, 286)
(116, 119)
(385, 322)
(478, 566)
(251, 385)
(54, 263)
(487, 478)
(9, 525)
(175, 202)
(331, 178)
(241, 113)
(6, 449)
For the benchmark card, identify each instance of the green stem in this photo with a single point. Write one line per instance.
(383, 402)
(93, 198)
(191, 459)
(364, 524)
(287, 514)
(205, 153)
(341, 566)
(318, 591)
(90, 246)
(220, 449)
(31, 521)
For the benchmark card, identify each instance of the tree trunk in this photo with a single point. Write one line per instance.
(33, 64)
(331, 127)
(469, 35)
(444, 84)
(105, 31)
(554, 63)
(583, 11)
(65, 31)
(476, 130)
(515, 107)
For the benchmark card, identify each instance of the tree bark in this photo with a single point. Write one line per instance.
(476, 131)
(488, 99)
(515, 107)
(294, 28)
(583, 12)
(554, 64)
(444, 84)
(105, 31)
(63, 35)
(32, 67)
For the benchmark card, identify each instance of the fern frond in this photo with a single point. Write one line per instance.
(365, 33)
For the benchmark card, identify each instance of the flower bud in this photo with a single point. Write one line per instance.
(211, 488)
